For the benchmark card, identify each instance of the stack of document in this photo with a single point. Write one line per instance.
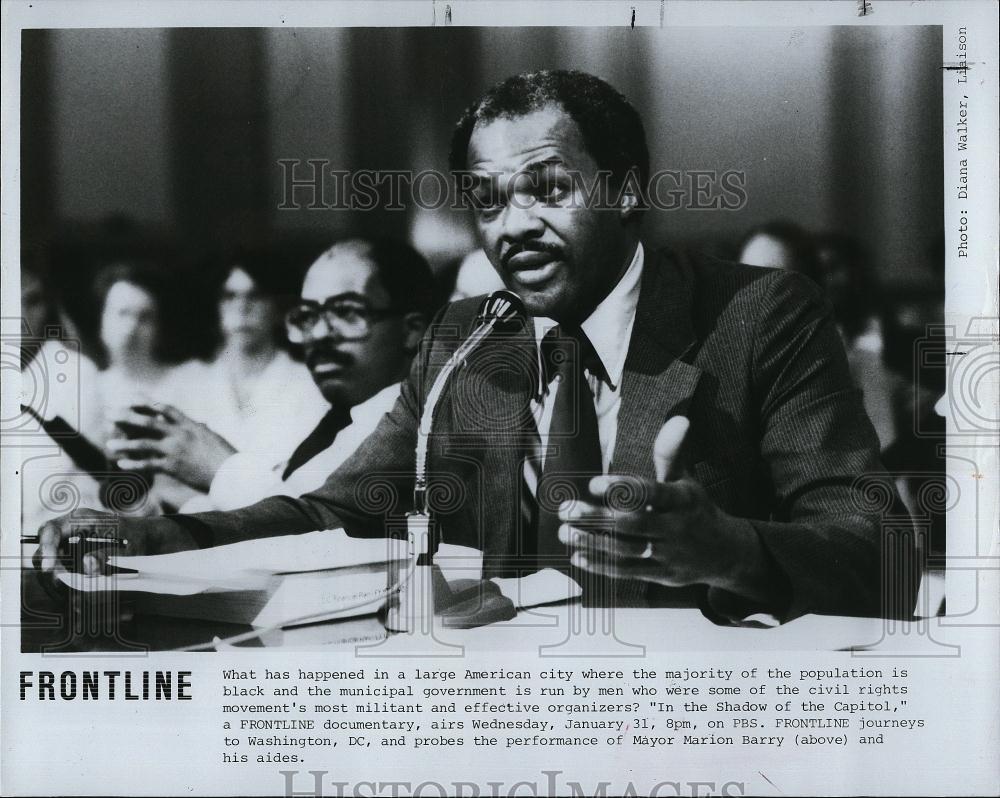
(271, 582)
(294, 580)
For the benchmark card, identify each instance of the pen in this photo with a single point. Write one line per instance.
(74, 540)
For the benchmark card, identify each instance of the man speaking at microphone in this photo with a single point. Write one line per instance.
(666, 430)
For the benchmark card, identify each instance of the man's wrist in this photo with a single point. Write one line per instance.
(753, 590)
(179, 533)
(221, 453)
(204, 472)
(750, 571)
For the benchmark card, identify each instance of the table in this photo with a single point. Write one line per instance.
(565, 629)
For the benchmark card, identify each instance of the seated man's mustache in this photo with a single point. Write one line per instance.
(531, 246)
(327, 354)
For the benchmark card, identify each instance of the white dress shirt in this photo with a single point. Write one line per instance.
(248, 477)
(609, 329)
(281, 406)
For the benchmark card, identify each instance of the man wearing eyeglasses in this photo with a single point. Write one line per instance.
(364, 307)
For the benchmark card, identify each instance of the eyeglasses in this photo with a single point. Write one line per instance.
(350, 317)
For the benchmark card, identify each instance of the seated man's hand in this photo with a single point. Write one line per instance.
(671, 534)
(175, 445)
(667, 530)
(138, 536)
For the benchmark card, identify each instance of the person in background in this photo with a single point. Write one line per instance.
(779, 245)
(50, 346)
(38, 311)
(847, 278)
(364, 306)
(252, 392)
(135, 369)
(476, 276)
(56, 383)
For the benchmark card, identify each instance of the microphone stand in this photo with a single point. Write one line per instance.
(413, 607)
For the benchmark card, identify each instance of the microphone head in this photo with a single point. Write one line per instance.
(505, 309)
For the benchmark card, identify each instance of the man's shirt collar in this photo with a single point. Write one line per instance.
(609, 326)
(374, 407)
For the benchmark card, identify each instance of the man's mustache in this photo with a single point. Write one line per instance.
(530, 246)
(327, 354)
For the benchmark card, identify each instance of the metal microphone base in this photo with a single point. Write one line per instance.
(412, 606)
(410, 613)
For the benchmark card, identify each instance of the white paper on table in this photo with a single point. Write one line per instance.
(312, 551)
(143, 583)
(459, 562)
(315, 597)
(543, 587)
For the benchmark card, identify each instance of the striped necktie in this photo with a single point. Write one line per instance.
(573, 452)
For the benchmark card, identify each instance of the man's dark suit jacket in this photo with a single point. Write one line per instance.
(778, 437)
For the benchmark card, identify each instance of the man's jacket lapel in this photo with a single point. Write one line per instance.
(658, 381)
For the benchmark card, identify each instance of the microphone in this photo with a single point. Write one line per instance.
(501, 311)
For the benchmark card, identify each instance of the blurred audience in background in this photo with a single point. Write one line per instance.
(848, 278)
(364, 306)
(52, 364)
(135, 371)
(251, 391)
(38, 312)
(916, 349)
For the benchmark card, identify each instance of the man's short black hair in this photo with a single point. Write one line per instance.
(403, 272)
(611, 128)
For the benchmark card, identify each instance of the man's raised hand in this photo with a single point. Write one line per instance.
(666, 530)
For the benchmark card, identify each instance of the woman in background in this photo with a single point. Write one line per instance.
(134, 369)
(135, 372)
(252, 392)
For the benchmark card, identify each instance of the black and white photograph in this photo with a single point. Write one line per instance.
(500, 398)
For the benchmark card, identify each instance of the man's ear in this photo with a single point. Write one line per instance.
(629, 204)
(415, 325)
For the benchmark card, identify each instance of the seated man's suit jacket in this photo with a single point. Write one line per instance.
(778, 437)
